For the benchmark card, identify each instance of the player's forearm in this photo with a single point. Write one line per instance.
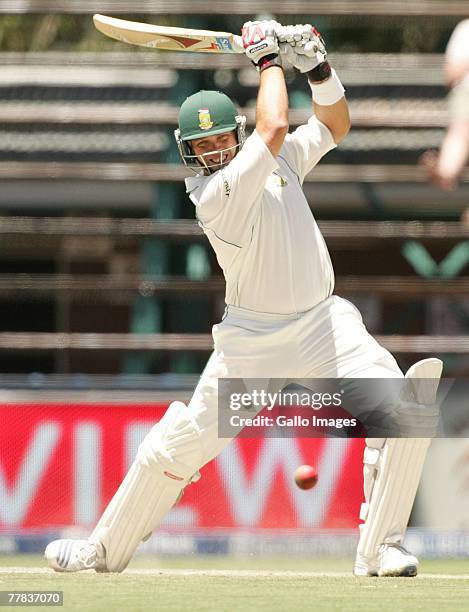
(272, 108)
(336, 117)
(329, 103)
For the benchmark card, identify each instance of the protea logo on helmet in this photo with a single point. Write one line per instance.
(205, 121)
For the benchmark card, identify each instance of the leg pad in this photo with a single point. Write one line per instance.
(167, 460)
(392, 470)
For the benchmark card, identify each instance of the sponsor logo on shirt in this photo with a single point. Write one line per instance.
(279, 180)
(226, 185)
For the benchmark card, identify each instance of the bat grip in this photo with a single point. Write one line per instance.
(238, 46)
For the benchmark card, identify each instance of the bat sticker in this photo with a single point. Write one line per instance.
(224, 43)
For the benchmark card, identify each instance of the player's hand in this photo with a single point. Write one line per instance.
(294, 35)
(429, 161)
(260, 39)
(306, 53)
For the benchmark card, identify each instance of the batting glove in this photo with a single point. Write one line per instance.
(307, 54)
(260, 43)
(295, 35)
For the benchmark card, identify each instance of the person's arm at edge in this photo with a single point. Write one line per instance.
(455, 71)
(456, 64)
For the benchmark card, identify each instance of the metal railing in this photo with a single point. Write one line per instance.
(104, 287)
(364, 113)
(242, 7)
(39, 341)
(348, 231)
(115, 171)
(378, 68)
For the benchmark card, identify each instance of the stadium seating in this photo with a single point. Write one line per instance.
(84, 162)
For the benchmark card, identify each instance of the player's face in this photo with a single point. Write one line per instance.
(214, 152)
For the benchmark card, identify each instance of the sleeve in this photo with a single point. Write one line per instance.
(458, 45)
(304, 147)
(227, 202)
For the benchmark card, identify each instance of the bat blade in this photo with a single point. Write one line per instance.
(169, 38)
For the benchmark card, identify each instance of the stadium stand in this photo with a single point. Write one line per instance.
(90, 194)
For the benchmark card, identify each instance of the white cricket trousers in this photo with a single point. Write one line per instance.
(328, 341)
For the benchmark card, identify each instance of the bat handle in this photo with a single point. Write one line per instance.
(238, 46)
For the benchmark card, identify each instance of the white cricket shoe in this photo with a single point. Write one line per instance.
(74, 556)
(393, 560)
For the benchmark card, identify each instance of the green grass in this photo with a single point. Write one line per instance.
(168, 590)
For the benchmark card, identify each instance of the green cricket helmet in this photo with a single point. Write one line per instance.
(206, 113)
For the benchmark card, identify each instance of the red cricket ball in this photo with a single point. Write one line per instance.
(306, 477)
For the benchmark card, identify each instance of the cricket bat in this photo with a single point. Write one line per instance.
(165, 37)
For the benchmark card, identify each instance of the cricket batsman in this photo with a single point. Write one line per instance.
(282, 319)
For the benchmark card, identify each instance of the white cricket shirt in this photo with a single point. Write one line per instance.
(260, 226)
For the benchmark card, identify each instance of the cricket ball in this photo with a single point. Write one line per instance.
(306, 477)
